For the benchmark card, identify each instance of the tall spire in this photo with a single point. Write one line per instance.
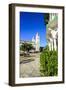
(37, 42)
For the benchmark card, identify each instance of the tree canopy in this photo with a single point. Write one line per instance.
(26, 47)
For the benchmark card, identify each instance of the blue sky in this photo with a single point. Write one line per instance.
(30, 24)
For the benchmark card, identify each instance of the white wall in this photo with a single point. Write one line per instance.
(4, 45)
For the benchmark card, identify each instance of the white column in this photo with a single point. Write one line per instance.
(55, 47)
(49, 44)
(52, 45)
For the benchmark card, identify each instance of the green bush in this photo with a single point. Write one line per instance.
(26, 47)
(49, 63)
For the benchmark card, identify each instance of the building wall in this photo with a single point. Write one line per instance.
(52, 31)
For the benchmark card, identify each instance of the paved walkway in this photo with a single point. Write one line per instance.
(29, 66)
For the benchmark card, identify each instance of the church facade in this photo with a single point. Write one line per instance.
(36, 42)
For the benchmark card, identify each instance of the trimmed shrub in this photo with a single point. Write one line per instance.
(49, 63)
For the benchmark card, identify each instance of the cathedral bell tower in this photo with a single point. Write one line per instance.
(37, 42)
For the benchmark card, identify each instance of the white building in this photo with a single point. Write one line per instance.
(33, 41)
(52, 32)
(36, 42)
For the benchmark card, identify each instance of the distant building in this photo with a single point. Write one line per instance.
(52, 31)
(35, 42)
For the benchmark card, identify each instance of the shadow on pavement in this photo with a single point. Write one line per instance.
(26, 61)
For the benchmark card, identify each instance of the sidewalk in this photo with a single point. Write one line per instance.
(31, 68)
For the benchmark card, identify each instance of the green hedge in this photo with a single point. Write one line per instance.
(49, 63)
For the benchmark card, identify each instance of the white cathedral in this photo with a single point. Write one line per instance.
(36, 42)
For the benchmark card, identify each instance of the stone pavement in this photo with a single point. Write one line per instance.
(30, 66)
